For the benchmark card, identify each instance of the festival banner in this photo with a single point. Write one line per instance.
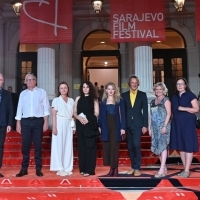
(197, 19)
(46, 21)
(137, 20)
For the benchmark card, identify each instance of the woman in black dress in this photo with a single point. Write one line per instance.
(183, 129)
(86, 109)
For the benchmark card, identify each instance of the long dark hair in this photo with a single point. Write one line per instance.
(186, 83)
(92, 91)
(59, 87)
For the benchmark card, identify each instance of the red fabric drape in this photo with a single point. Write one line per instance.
(46, 21)
(137, 20)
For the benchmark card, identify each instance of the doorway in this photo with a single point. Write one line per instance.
(170, 60)
(100, 59)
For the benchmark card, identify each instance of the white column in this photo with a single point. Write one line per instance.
(144, 67)
(131, 58)
(1, 46)
(46, 69)
(66, 65)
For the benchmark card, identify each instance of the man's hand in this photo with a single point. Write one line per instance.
(18, 126)
(8, 129)
(144, 130)
(45, 126)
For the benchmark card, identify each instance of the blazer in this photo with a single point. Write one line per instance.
(6, 109)
(139, 112)
(119, 118)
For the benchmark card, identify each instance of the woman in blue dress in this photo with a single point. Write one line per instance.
(183, 131)
(159, 125)
(112, 126)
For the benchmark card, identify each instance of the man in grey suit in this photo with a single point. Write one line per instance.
(6, 116)
(136, 108)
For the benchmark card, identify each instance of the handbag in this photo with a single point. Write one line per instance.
(197, 121)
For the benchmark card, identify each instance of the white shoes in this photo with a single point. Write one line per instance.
(63, 173)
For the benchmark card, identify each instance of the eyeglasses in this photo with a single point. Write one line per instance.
(31, 79)
(180, 84)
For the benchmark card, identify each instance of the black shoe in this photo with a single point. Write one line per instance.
(22, 173)
(39, 173)
(110, 173)
(1, 175)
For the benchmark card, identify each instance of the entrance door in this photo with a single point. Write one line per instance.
(27, 63)
(96, 69)
(168, 66)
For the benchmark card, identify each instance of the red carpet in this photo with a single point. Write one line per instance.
(98, 187)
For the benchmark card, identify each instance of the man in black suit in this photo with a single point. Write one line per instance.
(136, 108)
(15, 102)
(6, 116)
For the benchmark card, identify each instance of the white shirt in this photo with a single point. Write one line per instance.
(33, 103)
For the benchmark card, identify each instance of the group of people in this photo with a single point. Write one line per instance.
(170, 124)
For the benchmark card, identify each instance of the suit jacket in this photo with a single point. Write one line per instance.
(6, 109)
(139, 112)
(120, 120)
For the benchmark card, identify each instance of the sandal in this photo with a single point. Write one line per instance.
(184, 174)
(162, 174)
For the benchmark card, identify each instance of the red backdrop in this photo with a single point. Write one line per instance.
(137, 20)
(46, 22)
(197, 18)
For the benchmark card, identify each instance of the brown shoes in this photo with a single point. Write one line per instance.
(131, 171)
(137, 173)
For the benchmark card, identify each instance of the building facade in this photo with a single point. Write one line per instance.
(178, 56)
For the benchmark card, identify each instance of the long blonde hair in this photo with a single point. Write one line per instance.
(116, 92)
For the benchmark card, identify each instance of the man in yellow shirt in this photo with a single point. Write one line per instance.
(136, 108)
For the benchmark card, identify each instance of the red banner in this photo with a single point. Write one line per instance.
(137, 20)
(46, 21)
(197, 18)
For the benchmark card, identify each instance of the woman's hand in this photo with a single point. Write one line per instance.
(122, 132)
(54, 131)
(180, 108)
(82, 120)
(163, 130)
(149, 131)
(74, 131)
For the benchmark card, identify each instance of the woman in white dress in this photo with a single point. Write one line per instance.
(62, 133)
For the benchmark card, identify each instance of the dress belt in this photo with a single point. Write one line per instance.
(33, 118)
(65, 117)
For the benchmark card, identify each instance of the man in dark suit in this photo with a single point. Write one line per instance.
(136, 108)
(6, 116)
(15, 102)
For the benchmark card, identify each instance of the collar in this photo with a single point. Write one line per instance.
(134, 92)
(35, 88)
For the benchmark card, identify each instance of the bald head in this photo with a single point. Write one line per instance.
(1, 80)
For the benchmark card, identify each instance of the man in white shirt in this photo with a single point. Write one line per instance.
(32, 120)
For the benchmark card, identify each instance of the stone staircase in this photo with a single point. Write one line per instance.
(12, 151)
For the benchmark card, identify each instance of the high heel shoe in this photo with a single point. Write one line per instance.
(110, 173)
(115, 173)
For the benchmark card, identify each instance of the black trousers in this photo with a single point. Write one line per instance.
(111, 147)
(87, 148)
(134, 147)
(32, 131)
(2, 140)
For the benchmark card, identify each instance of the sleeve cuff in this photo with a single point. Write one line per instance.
(18, 118)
